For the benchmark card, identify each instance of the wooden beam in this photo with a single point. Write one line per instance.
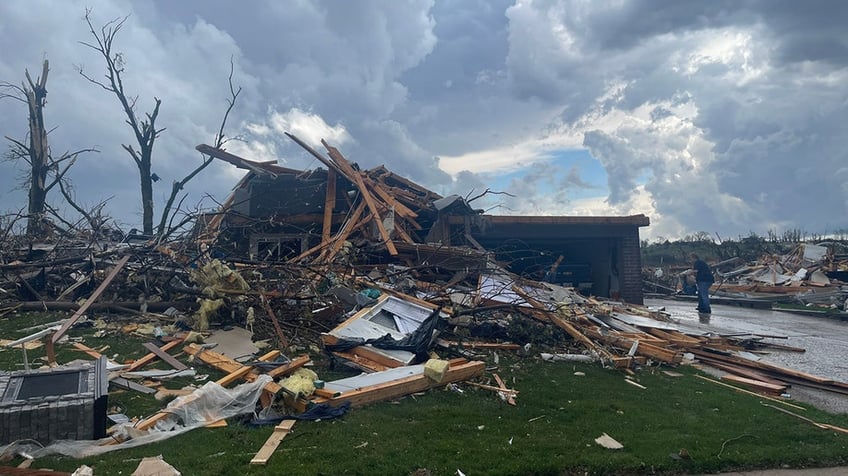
(290, 367)
(648, 350)
(782, 373)
(13, 471)
(226, 364)
(675, 338)
(372, 206)
(579, 336)
(257, 167)
(402, 233)
(329, 163)
(88, 350)
(757, 385)
(406, 385)
(130, 385)
(154, 349)
(151, 356)
(742, 390)
(284, 341)
(510, 397)
(273, 441)
(88, 302)
(329, 205)
(387, 197)
(336, 242)
(353, 223)
(362, 363)
(478, 345)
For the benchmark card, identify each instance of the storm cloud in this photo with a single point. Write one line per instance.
(720, 116)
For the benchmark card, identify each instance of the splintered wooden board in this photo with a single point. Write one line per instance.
(273, 441)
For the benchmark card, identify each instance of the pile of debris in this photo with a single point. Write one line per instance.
(383, 291)
(809, 274)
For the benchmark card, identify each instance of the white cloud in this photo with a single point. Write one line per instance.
(307, 126)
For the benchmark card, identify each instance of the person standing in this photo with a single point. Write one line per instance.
(703, 279)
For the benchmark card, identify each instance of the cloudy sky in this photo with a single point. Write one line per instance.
(724, 116)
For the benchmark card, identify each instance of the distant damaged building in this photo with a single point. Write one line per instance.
(345, 215)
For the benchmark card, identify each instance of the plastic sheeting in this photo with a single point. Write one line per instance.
(205, 405)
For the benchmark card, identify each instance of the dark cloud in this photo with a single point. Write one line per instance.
(711, 115)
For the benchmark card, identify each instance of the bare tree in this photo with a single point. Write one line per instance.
(220, 140)
(45, 171)
(143, 129)
(95, 217)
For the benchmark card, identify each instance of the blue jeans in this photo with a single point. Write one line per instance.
(704, 297)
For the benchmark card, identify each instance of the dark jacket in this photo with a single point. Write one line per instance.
(704, 274)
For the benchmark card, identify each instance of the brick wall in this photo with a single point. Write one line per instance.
(631, 280)
(76, 416)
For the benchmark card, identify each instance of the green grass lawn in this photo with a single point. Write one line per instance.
(550, 431)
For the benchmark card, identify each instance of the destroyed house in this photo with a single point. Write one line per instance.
(375, 217)
(597, 255)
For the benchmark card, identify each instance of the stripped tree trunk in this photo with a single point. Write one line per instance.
(39, 153)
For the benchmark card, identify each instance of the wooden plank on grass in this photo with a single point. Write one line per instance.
(510, 398)
(151, 356)
(756, 385)
(130, 385)
(13, 471)
(153, 348)
(88, 350)
(748, 392)
(280, 432)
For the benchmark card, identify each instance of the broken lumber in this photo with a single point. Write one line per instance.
(91, 299)
(154, 349)
(290, 367)
(356, 177)
(478, 345)
(742, 390)
(361, 355)
(284, 342)
(280, 431)
(510, 398)
(579, 336)
(151, 356)
(234, 369)
(757, 385)
(458, 371)
(824, 426)
(221, 362)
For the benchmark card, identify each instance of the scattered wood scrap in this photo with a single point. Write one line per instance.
(280, 431)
